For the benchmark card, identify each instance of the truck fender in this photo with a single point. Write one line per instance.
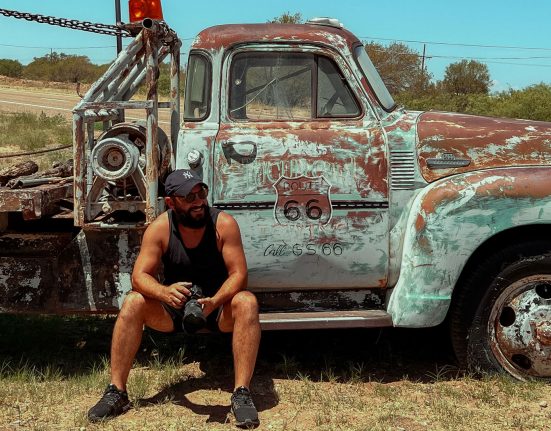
(448, 221)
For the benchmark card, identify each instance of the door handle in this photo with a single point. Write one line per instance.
(243, 149)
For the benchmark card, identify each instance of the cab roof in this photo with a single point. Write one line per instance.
(228, 35)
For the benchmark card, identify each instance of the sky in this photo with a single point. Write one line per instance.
(512, 37)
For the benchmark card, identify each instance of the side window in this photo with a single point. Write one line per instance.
(271, 87)
(198, 82)
(334, 97)
(288, 87)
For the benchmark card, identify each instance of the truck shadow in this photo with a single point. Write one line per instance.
(79, 345)
(361, 355)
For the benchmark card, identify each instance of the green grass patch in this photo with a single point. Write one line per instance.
(22, 132)
(30, 132)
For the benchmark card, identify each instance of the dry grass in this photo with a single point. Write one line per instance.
(28, 132)
(53, 369)
(66, 87)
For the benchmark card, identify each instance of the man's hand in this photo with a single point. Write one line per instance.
(208, 305)
(176, 294)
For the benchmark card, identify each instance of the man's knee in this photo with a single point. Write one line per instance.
(134, 305)
(244, 303)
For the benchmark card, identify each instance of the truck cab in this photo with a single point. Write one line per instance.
(288, 139)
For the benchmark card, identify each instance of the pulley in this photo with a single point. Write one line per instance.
(115, 158)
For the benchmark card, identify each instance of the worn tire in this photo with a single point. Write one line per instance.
(501, 314)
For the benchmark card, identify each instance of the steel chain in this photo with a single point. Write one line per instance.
(111, 30)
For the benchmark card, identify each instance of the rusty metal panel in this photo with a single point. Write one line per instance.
(29, 269)
(321, 300)
(97, 267)
(36, 202)
(226, 36)
(151, 149)
(405, 180)
(339, 168)
(473, 143)
(448, 220)
(64, 272)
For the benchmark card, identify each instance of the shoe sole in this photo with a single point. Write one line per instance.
(105, 418)
(248, 424)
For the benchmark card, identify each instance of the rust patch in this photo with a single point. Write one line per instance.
(357, 156)
(419, 223)
(543, 333)
(485, 142)
(35, 202)
(500, 183)
(225, 36)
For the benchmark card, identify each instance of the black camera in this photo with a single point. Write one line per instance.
(193, 318)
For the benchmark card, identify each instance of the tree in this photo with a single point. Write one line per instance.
(288, 18)
(11, 68)
(61, 67)
(399, 67)
(467, 77)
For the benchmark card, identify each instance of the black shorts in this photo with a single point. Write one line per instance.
(177, 315)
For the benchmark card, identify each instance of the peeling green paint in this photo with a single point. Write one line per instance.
(458, 214)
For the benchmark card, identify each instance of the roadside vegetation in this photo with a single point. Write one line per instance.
(64, 68)
(23, 132)
(53, 369)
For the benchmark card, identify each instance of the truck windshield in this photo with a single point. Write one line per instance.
(374, 79)
(196, 102)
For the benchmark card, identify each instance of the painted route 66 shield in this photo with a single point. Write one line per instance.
(302, 200)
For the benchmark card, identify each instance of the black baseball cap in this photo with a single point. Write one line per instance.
(181, 181)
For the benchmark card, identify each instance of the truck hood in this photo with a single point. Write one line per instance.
(454, 143)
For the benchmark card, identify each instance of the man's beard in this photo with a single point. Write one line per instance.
(185, 218)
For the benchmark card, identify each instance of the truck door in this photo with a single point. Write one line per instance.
(300, 162)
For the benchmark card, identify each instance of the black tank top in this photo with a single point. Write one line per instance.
(202, 265)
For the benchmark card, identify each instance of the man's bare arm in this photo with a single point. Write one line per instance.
(146, 268)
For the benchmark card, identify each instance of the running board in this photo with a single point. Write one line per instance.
(325, 320)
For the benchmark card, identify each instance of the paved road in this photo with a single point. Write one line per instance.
(51, 102)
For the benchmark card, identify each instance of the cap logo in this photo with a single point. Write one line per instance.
(187, 175)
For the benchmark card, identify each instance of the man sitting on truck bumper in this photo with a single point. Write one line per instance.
(204, 263)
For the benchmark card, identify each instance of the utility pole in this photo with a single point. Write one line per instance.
(423, 60)
(118, 20)
(422, 80)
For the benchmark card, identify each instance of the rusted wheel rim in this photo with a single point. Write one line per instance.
(520, 327)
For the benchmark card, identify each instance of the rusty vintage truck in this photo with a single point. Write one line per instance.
(354, 212)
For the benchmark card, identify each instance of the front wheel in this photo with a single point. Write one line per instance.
(501, 318)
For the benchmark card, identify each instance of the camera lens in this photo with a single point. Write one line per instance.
(194, 319)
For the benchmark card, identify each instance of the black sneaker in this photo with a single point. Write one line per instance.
(243, 408)
(113, 403)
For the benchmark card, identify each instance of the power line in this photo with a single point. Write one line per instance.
(464, 57)
(457, 44)
(489, 58)
(517, 64)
